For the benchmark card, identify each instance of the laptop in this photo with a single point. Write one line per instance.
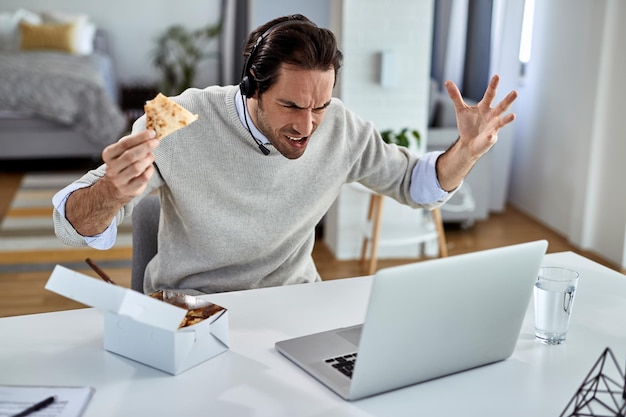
(426, 320)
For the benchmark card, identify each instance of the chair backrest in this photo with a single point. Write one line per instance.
(371, 238)
(145, 221)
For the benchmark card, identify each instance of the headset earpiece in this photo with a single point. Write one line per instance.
(247, 86)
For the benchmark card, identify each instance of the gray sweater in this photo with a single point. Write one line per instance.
(233, 218)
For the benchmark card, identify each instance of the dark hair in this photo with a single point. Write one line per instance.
(301, 43)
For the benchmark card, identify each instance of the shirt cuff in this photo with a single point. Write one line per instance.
(425, 187)
(101, 241)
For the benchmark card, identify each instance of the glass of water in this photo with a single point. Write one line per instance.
(554, 300)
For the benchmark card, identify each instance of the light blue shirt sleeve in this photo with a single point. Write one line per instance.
(425, 188)
(102, 241)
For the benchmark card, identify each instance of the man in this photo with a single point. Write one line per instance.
(243, 187)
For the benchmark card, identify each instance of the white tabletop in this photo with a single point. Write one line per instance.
(252, 379)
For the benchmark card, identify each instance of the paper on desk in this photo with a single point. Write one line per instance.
(70, 401)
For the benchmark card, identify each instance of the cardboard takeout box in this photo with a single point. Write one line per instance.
(143, 328)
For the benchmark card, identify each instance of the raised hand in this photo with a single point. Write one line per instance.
(478, 128)
(478, 125)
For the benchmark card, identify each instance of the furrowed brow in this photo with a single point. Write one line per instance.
(292, 104)
(323, 106)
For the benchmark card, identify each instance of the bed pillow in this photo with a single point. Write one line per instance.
(48, 36)
(85, 29)
(9, 27)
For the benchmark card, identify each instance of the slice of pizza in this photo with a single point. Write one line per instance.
(164, 116)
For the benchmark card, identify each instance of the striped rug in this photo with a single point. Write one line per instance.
(27, 239)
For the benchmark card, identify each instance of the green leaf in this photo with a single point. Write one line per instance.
(177, 53)
(401, 138)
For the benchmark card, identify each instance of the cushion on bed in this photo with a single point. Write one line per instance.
(48, 36)
(85, 29)
(84, 32)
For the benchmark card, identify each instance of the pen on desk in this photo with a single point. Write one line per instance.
(39, 406)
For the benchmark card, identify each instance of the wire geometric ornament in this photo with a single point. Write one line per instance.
(602, 393)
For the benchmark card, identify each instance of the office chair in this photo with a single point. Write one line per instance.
(431, 228)
(145, 221)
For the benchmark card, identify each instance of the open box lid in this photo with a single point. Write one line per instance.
(123, 301)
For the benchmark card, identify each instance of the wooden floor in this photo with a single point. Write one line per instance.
(24, 293)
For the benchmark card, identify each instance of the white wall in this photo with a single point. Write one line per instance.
(604, 210)
(262, 11)
(403, 27)
(568, 170)
(132, 27)
(367, 28)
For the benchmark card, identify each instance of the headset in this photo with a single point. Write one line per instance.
(248, 84)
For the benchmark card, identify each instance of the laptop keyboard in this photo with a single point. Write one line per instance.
(343, 363)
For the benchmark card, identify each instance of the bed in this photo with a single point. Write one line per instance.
(55, 104)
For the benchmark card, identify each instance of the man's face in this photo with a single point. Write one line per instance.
(290, 110)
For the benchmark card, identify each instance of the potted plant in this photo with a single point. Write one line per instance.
(402, 137)
(178, 52)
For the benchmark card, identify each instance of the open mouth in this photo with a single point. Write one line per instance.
(298, 141)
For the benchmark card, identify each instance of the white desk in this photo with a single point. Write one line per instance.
(252, 379)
